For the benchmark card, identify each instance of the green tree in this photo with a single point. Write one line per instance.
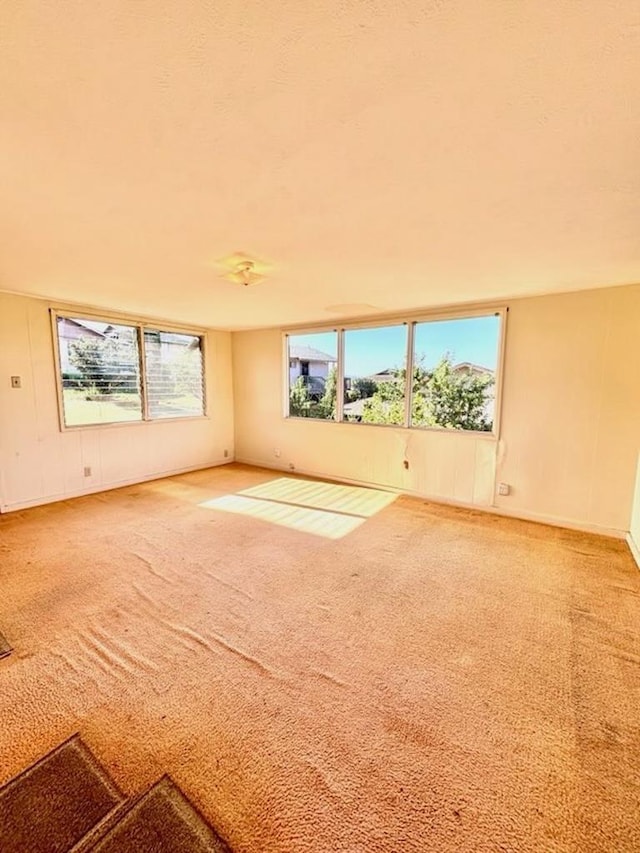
(442, 397)
(88, 357)
(105, 365)
(327, 406)
(387, 403)
(380, 411)
(299, 402)
(361, 388)
(454, 399)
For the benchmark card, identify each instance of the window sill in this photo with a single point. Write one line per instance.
(487, 436)
(120, 424)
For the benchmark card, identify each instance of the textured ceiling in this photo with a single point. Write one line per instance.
(379, 156)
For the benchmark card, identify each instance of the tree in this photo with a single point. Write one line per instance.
(453, 399)
(87, 356)
(299, 402)
(387, 404)
(442, 397)
(327, 404)
(105, 365)
(361, 388)
(303, 405)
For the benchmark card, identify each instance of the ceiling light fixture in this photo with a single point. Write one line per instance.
(243, 270)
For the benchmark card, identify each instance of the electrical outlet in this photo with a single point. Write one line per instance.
(225, 453)
(87, 471)
(276, 452)
(504, 489)
(292, 467)
(16, 382)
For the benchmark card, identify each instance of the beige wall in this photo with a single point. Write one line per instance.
(570, 419)
(571, 416)
(39, 462)
(568, 445)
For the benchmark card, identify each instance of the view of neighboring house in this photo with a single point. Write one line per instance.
(386, 375)
(308, 361)
(472, 369)
(165, 347)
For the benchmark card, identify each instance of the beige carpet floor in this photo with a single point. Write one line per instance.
(327, 669)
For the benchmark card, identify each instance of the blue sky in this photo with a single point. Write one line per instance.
(371, 350)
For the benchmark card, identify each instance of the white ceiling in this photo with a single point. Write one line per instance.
(379, 155)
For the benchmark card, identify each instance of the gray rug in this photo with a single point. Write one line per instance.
(5, 648)
(49, 807)
(162, 821)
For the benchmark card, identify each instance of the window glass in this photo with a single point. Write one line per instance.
(454, 373)
(100, 368)
(174, 376)
(312, 375)
(375, 373)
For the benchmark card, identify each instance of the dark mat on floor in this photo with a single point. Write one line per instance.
(5, 648)
(50, 806)
(162, 821)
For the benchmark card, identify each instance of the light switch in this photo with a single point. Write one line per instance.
(16, 382)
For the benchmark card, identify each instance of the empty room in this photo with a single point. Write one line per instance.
(320, 427)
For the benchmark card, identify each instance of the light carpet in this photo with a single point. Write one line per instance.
(326, 669)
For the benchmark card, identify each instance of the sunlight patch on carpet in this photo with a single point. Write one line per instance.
(323, 509)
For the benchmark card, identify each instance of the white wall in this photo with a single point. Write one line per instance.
(39, 462)
(570, 419)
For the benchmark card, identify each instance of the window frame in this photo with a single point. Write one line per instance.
(410, 320)
(286, 373)
(407, 397)
(140, 326)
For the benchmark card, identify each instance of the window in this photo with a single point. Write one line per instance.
(173, 366)
(454, 373)
(374, 371)
(453, 364)
(101, 380)
(312, 375)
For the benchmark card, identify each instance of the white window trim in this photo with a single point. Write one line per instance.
(140, 326)
(411, 322)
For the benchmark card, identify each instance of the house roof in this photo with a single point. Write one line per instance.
(475, 368)
(92, 328)
(387, 373)
(305, 353)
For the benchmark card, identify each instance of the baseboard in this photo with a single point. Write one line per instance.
(92, 490)
(522, 515)
(558, 521)
(634, 548)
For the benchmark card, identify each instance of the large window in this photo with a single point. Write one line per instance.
(312, 379)
(454, 373)
(452, 363)
(101, 377)
(374, 375)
